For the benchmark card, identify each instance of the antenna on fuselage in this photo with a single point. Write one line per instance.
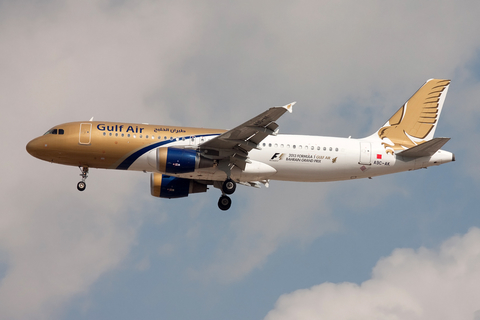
(91, 119)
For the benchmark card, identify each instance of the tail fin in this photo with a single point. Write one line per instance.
(415, 122)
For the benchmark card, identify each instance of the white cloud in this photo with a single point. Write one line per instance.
(408, 284)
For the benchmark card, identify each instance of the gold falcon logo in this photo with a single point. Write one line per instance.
(415, 119)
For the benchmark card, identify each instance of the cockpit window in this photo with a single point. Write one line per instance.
(55, 131)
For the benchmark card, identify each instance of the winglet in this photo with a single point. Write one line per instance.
(289, 107)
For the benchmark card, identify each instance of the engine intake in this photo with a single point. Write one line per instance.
(176, 160)
(164, 186)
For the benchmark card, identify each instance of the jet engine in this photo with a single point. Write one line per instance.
(176, 160)
(164, 186)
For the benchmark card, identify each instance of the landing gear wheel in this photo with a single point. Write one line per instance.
(224, 203)
(229, 186)
(81, 186)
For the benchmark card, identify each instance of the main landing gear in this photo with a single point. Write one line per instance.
(228, 187)
(82, 185)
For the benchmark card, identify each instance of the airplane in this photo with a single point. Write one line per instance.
(184, 160)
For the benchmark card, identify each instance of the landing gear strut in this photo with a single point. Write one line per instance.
(82, 185)
(228, 187)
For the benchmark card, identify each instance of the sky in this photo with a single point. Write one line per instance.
(404, 246)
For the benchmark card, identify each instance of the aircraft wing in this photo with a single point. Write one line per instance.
(237, 142)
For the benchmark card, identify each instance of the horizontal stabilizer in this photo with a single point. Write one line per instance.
(425, 149)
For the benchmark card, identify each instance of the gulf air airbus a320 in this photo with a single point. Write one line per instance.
(186, 160)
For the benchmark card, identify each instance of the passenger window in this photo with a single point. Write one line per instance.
(318, 148)
(146, 137)
(336, 149)
(128, 135)
(116, 134)
(110, 134)
(288, 146)
(276, 145)
(300, 147)
(104, 133)
(294, 146)
(324, 148)
(270, 145)
(313, 147)
(330, 149)
(281, 146)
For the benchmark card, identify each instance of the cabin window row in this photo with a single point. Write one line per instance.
(300, 147)
(128, 135)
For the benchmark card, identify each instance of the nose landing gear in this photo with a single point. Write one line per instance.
(82, 185)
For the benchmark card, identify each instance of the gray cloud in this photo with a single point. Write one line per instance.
(265, 223)
(349, 66)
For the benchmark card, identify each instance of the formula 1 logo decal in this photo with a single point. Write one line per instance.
(277, 156)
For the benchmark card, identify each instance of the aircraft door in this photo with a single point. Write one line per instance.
(365, 153)
(85, 135)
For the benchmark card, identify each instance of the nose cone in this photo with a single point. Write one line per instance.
(34, 147)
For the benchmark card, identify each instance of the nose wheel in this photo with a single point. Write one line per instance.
(224, 203)
(82, 185)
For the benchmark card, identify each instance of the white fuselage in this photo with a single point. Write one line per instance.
(308, 158)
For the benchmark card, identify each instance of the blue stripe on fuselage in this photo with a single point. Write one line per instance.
(137, 154)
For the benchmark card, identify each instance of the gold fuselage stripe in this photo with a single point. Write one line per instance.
(108, 145)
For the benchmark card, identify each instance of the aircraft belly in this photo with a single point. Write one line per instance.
(253, 172)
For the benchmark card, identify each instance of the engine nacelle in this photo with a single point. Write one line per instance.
(164, 186)
(176, 160)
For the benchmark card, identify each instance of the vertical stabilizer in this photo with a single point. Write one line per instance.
(415, 122)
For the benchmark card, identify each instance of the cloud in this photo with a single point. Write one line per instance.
(348, 72)
(408, 284)
(66, 62)
(265, 224)
(202, 64)
(55, 248)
